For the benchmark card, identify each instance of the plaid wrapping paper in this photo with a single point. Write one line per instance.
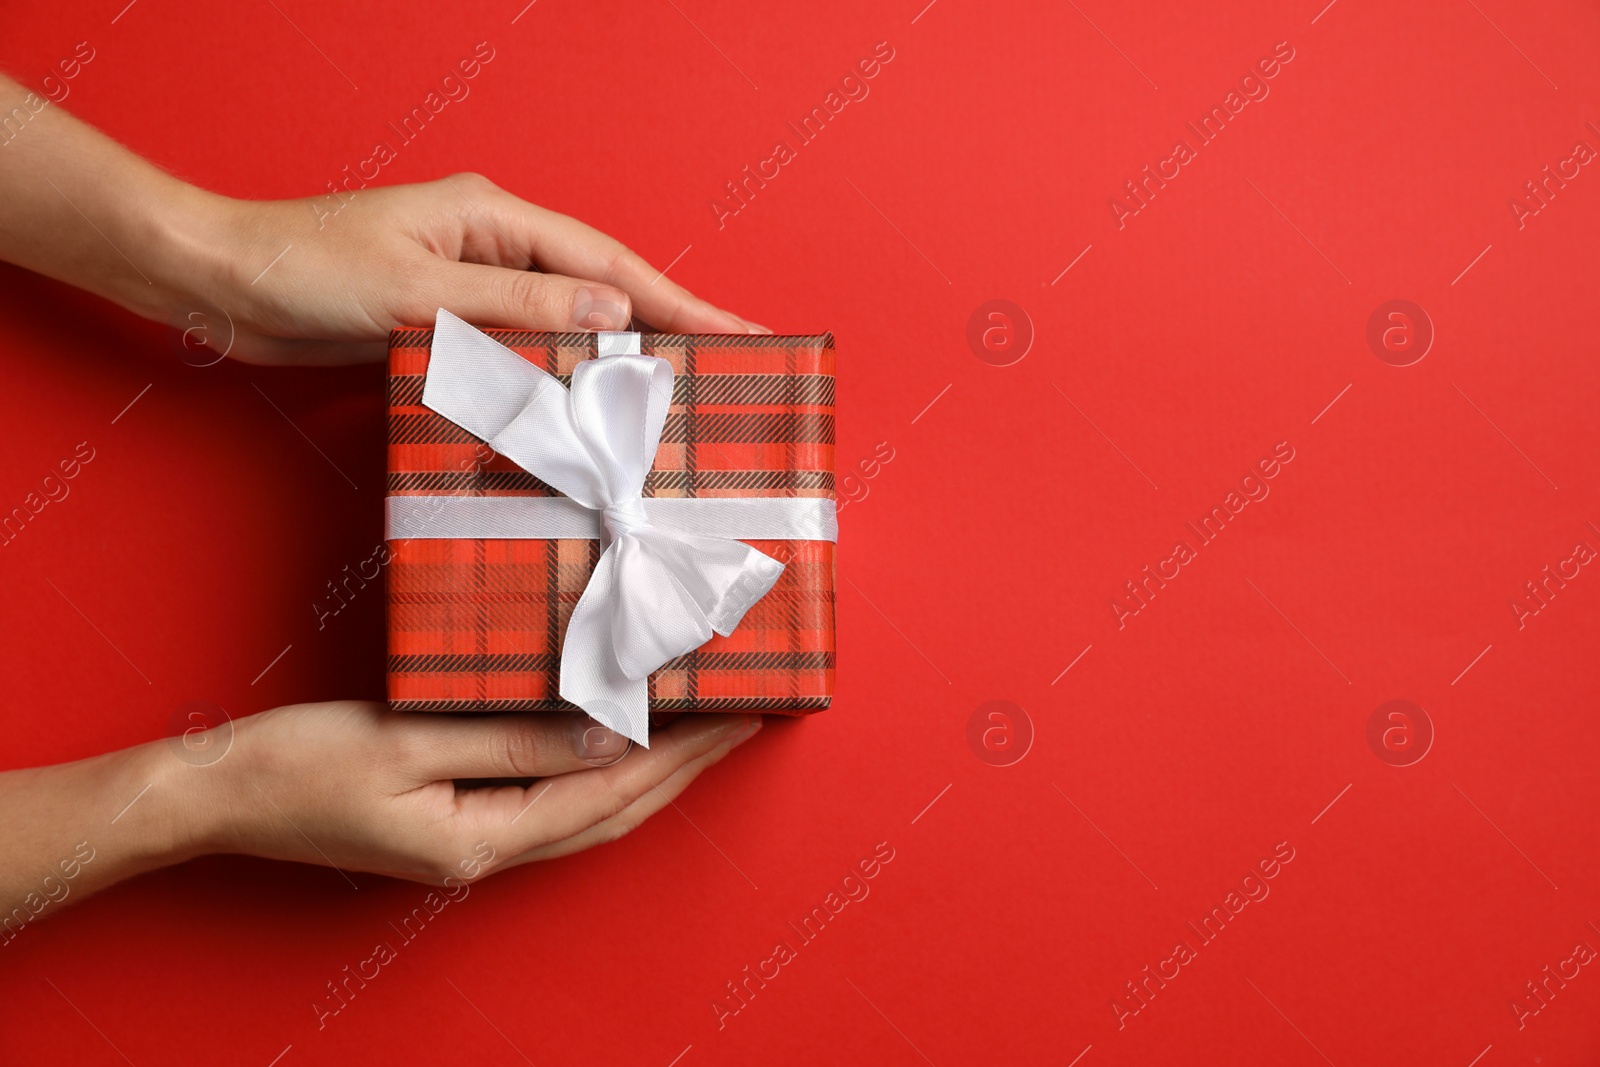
(478, 624)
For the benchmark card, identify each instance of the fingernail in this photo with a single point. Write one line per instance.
(750, 730)
(598, 744)
(755, 327)
(597, 307)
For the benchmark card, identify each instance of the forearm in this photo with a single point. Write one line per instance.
(75, 828)
(78, 207)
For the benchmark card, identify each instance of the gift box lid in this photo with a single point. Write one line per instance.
(477, 624)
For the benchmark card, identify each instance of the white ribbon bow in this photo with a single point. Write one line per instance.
(659, 590)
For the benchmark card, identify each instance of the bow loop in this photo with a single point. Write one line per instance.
(619, 407)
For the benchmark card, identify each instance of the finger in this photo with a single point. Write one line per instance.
(441, 747)
(634, 814)
(518, 230)
(490, 296)
(561, 807)
(574, 248)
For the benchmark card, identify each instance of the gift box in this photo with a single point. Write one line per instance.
(478, 623)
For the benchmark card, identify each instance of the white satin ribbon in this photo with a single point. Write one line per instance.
(671, 574)
(757, 518)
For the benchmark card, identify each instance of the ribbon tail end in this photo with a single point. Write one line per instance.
(760, 574)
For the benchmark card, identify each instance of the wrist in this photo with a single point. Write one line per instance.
(172, 819)
(100, 820)
(185, 239)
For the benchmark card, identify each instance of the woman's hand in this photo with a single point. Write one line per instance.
(356, 786)
(324, 281)
(320, 280)
(350, 785)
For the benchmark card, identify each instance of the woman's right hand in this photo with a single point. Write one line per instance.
(350, 785)
(354, 785)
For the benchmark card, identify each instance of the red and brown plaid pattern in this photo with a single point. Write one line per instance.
(477, 624)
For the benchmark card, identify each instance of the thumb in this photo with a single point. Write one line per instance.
(525, 299)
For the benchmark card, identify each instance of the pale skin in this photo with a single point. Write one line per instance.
(349, 784)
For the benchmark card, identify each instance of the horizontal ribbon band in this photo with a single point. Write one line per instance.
(552, 517)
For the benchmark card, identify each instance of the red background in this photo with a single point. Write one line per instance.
(1223, 719)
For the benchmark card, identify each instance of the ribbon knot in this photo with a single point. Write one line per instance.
(659, 590)
(624, 518)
